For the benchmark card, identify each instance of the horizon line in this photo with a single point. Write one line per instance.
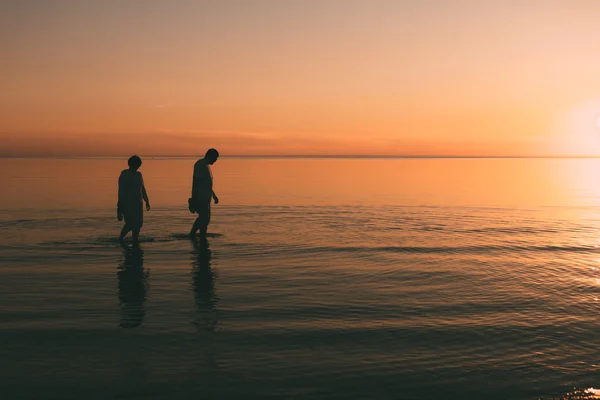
(349, 156)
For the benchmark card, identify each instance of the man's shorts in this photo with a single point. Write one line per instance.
(202, 208)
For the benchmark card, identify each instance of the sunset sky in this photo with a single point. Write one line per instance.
(336, 77)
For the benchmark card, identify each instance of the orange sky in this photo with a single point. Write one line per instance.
(384, 77)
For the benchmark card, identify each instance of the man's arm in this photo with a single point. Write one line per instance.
(215, 198)
(121, 198)
(121, 194)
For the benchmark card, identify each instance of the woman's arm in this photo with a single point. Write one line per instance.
(145, 196)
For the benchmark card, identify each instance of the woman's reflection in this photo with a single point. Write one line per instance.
(203, 285)
(133, 287)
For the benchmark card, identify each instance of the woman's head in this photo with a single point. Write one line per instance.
(134, 162)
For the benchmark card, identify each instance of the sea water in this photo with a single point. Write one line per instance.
(325, 278)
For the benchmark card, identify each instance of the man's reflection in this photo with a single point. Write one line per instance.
(133, 287)
(203, 285)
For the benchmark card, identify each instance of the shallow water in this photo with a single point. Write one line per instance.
(325, 278)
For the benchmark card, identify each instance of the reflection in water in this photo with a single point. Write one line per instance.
(203, 285)
(580, 394)
(133, 287)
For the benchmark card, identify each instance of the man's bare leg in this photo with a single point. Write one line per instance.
(203, 231)
(195, 227)
(124, 232)
(135, 234)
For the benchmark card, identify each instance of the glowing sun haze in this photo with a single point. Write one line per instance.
(344, 77)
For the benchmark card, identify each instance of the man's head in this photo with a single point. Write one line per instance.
(134, 162)
(211, 156)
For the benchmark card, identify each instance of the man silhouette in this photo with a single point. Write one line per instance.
(131, 193)
(202, 193)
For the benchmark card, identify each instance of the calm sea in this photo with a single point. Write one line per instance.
(325, 279)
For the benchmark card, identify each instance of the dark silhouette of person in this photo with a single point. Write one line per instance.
(133, 287)
(203, 285)
(131, 193)
(202, 193)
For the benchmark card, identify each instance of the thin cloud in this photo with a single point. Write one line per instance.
(182, 105)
